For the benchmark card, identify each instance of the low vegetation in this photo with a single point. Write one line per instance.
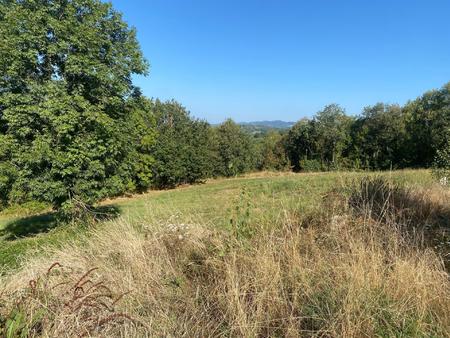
(358, 264)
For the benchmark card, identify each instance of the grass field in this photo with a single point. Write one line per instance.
(28, 229)
(263, 255)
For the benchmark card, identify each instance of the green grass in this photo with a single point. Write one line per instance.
(297, 259)
(214, 203)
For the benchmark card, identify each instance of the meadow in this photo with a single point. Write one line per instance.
(337, 254)
(29, 227)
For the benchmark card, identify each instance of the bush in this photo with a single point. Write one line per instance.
(441, 167)
(235, 150)
(311, 165)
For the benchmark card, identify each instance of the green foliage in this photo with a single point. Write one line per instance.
(18, 325)
(428, 125)
(141, 134)
(65, 79)
(273, 154)
(310, 165)
(441, 166)
(300, 144)
(383, 137)
(182, 150)
(235, 149)
(323, 140)
(379, 137)
(241, 227)
(332, 129)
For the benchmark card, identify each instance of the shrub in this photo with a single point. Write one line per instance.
(310, 165)
(441, 167)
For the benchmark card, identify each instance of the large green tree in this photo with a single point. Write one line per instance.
(140, 132)
(65, 82)
(428, 125)
(182, 152)
(300, 143)
(319, 143)
(332, 130)
(273, 154)
(378, 137)
(235, 150)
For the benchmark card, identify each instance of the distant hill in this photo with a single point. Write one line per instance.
(262, 127)
(276, 124)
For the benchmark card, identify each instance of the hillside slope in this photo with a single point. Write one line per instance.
(262, 255)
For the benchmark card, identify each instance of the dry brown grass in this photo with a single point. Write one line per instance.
(333, 274)
(421, 212)
(64, 304)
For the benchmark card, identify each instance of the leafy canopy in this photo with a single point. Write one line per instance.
(65, 82)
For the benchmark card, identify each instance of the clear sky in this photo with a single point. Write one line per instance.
(266, 60)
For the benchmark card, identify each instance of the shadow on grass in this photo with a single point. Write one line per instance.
(34, 225)
(427, 211)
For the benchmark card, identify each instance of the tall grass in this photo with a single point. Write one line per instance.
(342, 272)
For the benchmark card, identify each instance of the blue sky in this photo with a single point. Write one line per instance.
(266, 60)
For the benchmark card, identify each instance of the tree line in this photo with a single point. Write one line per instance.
(383, 136)
(74, 129)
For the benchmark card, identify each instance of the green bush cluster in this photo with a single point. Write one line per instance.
(441, 168)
